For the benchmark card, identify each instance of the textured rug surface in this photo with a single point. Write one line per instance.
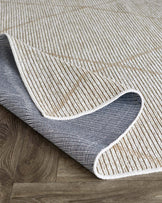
(87, 76)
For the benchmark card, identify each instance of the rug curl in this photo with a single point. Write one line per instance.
(91, 90)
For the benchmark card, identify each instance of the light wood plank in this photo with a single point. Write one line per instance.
(100, 191)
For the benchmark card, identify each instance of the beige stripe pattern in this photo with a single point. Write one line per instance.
(93, 51)
(59, 89)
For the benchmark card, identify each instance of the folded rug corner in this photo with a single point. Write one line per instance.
(92, 91)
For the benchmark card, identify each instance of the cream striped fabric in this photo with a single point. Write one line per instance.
(93, 52)
(59, 89)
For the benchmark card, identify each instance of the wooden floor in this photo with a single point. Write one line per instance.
(33, 170)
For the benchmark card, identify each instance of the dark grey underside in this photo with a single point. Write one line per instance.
(82, 138)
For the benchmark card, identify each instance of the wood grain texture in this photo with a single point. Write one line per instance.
(33, 170)
(38, 160)
(11, 140)
(100, 191)
(5, 187)
(71, 171)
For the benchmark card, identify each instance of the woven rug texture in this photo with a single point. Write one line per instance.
(86, 74)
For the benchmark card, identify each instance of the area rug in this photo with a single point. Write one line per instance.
(87, 76)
